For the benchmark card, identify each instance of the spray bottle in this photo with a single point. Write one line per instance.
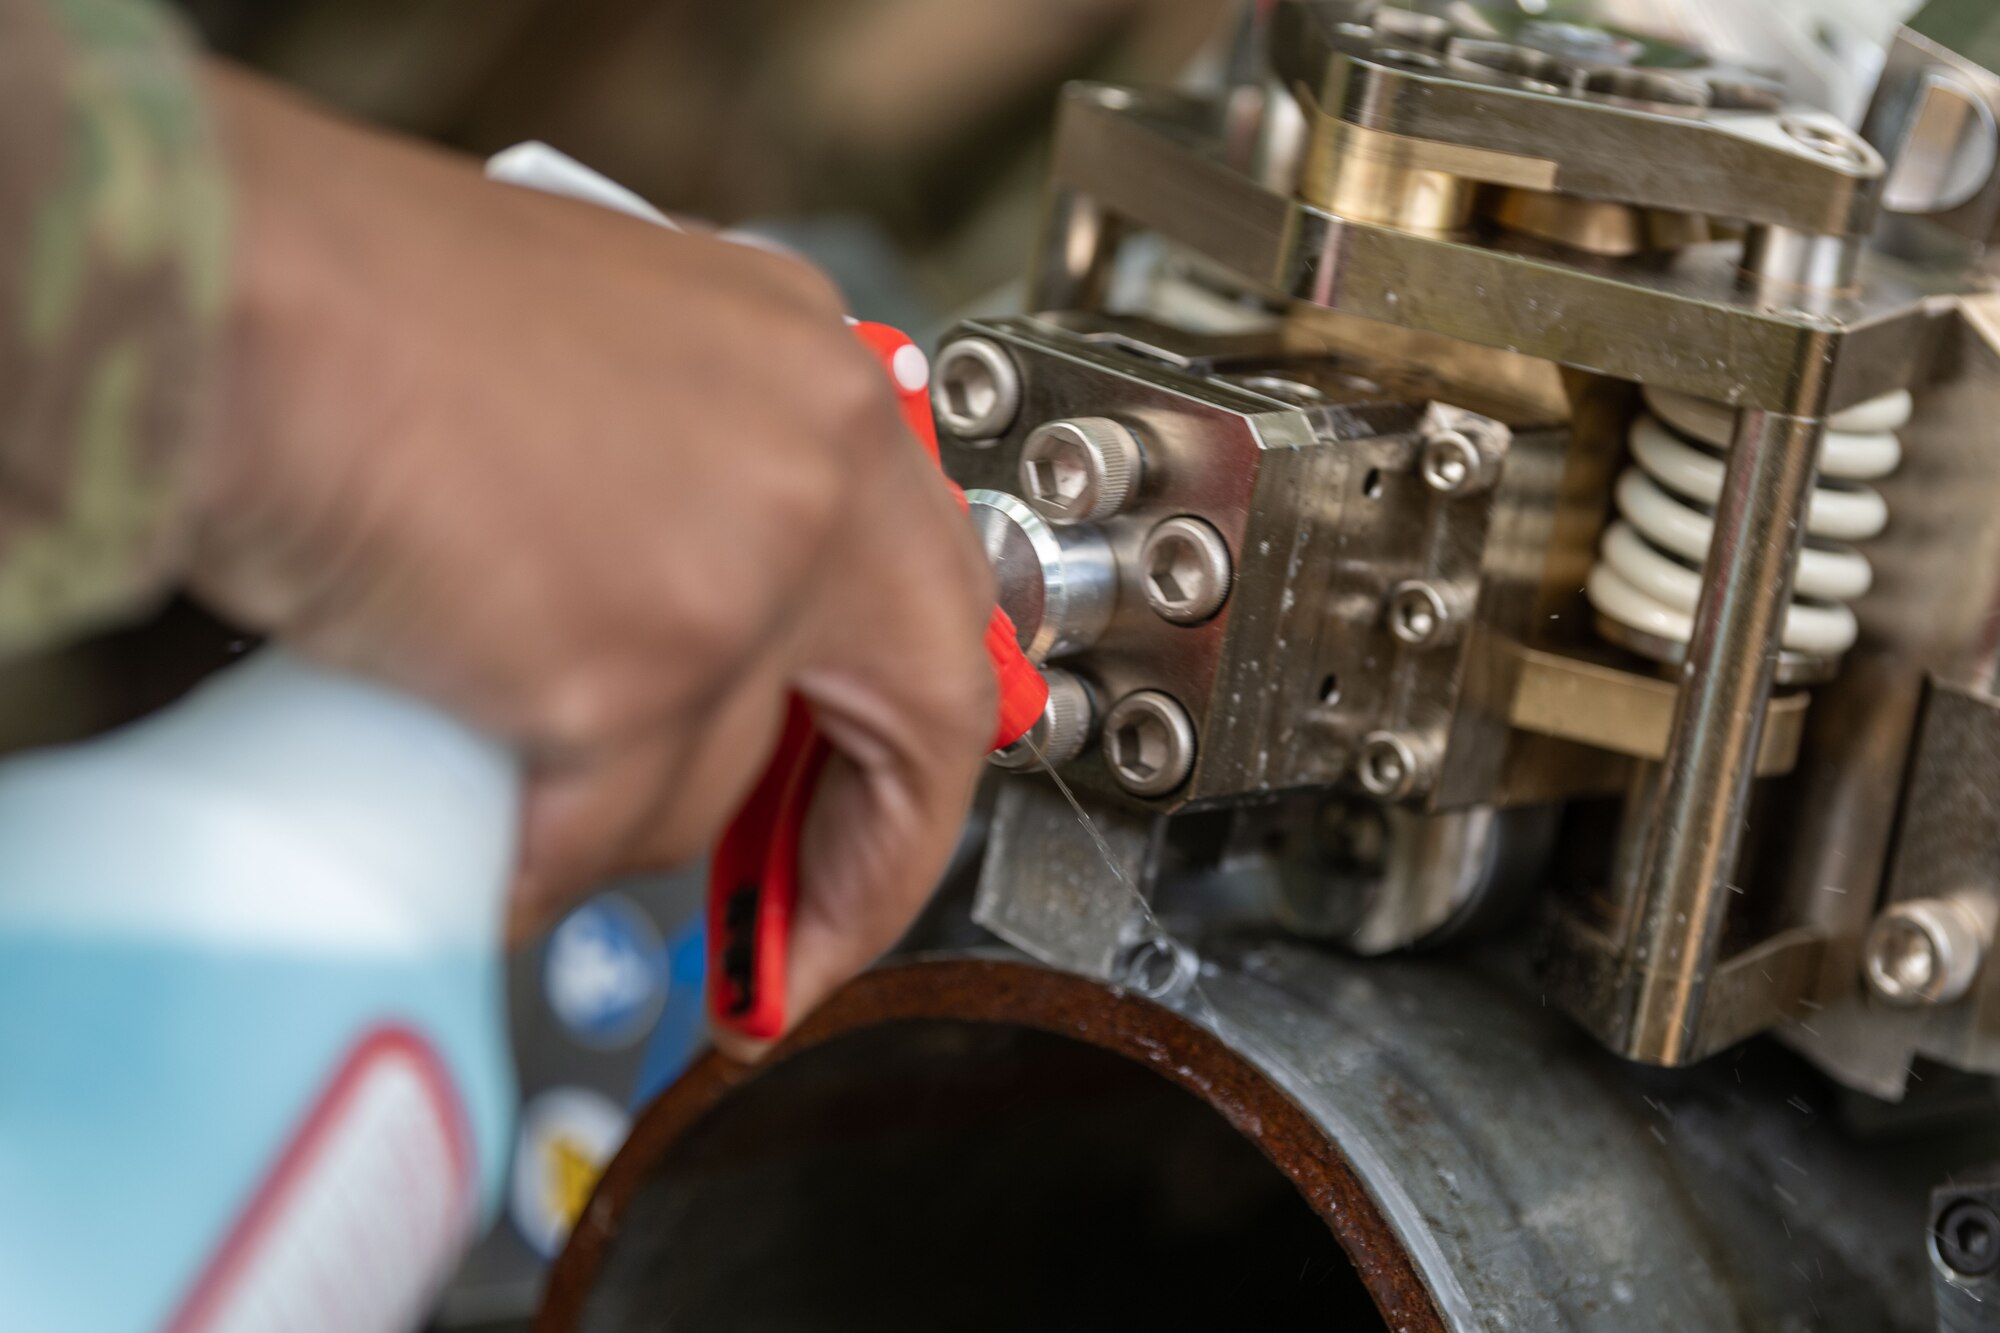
(253, 1066)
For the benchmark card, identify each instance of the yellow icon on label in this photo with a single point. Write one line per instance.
(567, 1137)
(572, 1175)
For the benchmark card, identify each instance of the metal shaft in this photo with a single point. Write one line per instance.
(1704, 782)
(1800, 264)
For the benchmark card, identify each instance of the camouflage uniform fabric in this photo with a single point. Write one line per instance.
(113, 260)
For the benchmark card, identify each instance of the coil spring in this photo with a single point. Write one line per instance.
(1648, 575)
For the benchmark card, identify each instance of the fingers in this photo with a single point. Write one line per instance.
(901, 688)
(876, 843)
(650, 804)
(576, 824)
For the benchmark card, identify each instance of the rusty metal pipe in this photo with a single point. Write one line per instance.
(933, 1131)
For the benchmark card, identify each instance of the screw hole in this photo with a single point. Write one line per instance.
(1168, 573)
(1329, 689)
(970, 389)
(961, 390)
(1968, 1238)
(1153, 967)
(975, 390)
(1137, 747)
(1371, 485)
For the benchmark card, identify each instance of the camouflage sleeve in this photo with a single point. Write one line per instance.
(112, 266)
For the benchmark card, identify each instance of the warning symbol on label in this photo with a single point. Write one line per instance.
(567, 1137)
(605, 972)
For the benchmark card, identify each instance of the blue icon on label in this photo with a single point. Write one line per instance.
(683, 1026)
(606, 973)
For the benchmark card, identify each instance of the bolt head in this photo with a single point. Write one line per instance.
(1451, 463)
(975, 390)
(1386, 767)
(1417, 614)
(1149, 743)
(1966, 1238)
(1080, 470)
(1186, 569)
(1923, 951)
(1158, 966)
(1908, 959)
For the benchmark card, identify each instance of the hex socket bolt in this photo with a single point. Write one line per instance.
(1388, 767)
(1186, 571)
(1149, 743)
(1925, 950)
(1081, 469)
(1451, 464)
(1417, 613)
(1062, 731)
(1966, 1237)
(975, 389)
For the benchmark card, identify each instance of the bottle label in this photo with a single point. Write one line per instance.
(363, 1216)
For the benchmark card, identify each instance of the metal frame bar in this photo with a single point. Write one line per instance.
(1694, 326)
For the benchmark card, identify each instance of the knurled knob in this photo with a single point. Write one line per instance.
(1062, 732)
(1080, 469)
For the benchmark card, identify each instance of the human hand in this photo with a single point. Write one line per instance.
(607, 492)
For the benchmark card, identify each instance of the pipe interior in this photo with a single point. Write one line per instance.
(930, 1174)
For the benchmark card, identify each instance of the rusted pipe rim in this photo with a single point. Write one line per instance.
(1020, 994)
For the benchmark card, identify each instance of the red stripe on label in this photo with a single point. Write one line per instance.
(364, 1212)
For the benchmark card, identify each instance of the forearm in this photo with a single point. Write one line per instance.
(112, 275)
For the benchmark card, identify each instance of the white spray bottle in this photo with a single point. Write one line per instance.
(253, 1062)
(254, 1075)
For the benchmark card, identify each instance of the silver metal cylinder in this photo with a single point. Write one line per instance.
(1057, 584)
(1696, 823)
